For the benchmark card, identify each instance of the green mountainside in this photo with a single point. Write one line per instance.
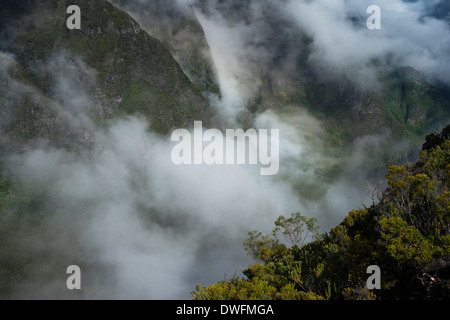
(135, 73)
(129, 72)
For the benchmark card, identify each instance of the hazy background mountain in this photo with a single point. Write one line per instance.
(85, 117)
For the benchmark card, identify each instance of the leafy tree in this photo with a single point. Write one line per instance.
(297, 229)
(405, 243)
(262, 247)
(435, 139)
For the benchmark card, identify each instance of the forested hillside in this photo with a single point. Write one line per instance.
(406, 234)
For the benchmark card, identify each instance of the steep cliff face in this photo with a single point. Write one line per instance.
(177, 27)
(111, 63)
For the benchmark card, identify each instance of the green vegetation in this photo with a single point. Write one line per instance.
(19, 209)
(407, 234)
(127, 71)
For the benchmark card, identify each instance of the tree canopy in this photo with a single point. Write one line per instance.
(406, 234)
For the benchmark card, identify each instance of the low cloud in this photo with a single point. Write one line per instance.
(139, 226)
(407, 37)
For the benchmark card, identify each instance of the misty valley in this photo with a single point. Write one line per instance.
(224, 150)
